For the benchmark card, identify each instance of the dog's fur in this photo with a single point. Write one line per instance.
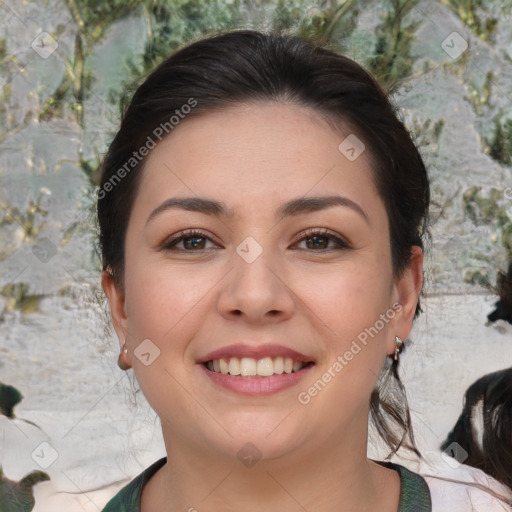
(503, 307)
(484, 429)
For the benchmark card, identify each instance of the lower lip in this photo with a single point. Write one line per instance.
(256, 385)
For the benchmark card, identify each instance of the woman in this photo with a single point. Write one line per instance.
(262, 214)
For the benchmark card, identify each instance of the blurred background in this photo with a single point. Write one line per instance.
(67, 68)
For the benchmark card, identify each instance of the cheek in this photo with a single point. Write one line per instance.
(167, 304)
(352, 313)
(165, 307)
(346, 300)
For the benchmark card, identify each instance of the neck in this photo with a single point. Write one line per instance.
(339, 478)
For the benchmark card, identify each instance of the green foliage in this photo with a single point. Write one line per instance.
(480, 99)
(55, 104)
(499, 146)
(170, 25)
(480, 208)
(3, 48)
(8, 69)
(5, 94)
(392, 61)
(9, 398)
(19, 496)
(19, 297)
(92, 19)
(91, 168)
(427, 133)
(328, 23)
(470, 12)
(478, 277)
(29, 220)
(173, 24)
(492, 209)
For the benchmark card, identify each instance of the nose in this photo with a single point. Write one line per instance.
(256, 291)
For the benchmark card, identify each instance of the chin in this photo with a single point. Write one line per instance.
(267, 438)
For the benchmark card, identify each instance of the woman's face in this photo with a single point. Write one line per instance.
(291, 260)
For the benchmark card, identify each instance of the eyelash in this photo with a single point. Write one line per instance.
(171, 243)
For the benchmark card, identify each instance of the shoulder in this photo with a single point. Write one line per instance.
(462, 488)
(128, 498)
(471, 490)
(455, 487)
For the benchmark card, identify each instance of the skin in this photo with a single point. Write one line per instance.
(254, 158)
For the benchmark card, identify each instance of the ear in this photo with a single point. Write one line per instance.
(116, 301)
(406, 292)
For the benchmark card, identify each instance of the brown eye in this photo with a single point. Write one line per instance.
(187, 241)
(194, 242)
(317, 242)
(323, 240)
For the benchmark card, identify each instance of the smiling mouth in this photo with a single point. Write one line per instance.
(250, 367)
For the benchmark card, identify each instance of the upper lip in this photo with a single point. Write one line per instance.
(255, 352)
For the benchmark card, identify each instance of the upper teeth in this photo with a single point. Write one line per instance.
(247, 366)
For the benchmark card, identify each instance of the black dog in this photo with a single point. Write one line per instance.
(503, 307)
(484, 429)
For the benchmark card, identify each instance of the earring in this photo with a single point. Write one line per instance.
(121, 361)
(399, 345)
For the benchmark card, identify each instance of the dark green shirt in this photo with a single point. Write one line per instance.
(414, 492)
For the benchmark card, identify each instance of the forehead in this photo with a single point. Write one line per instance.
(255, 154)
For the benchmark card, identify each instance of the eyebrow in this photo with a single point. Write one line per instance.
(293, 207)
